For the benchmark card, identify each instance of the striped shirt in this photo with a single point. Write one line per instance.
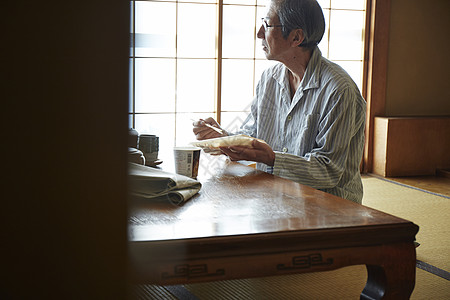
(318, 136)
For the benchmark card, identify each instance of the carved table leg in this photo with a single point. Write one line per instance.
(394, 277)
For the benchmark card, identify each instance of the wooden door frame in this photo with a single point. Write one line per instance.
(375, 70)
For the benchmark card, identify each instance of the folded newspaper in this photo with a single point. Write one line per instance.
(155, 184)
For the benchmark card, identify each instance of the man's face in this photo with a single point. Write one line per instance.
(273, 43)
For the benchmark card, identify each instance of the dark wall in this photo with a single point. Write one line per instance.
(418, 63)
(64, 138)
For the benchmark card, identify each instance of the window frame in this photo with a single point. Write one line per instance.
(376, 28)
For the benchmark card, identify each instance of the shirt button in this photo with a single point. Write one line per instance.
(289, 118)
(285, 150)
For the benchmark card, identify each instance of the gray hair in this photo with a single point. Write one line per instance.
(301, 14)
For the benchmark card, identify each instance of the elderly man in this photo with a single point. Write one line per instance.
(307, 109)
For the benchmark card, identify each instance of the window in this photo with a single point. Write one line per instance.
(200, 58)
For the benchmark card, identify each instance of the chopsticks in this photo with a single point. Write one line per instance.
(212, 127)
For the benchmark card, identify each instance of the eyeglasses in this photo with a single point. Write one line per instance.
(264, 22)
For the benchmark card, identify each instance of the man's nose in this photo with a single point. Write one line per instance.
(261, 32)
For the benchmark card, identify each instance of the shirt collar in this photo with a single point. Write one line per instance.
(311, 78)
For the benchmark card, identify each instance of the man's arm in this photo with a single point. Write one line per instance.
(339, 141)
(340, 134)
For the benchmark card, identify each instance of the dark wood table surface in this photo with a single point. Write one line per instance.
(245, 223)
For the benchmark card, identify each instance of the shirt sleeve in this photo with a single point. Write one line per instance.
(324, 165)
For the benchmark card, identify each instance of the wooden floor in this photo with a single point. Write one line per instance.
(439, 184)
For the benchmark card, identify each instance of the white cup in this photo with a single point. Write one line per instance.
(187, 161)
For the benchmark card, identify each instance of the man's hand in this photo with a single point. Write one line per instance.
(261, 152)
(202, 132)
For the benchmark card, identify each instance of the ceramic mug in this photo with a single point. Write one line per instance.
(149, 145)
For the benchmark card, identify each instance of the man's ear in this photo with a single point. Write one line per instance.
(297, 37)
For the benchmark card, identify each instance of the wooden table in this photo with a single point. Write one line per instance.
(246, 223)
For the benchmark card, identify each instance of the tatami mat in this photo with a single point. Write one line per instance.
(148, 291)
(431, 212)
(345, 283)
(430, 287)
